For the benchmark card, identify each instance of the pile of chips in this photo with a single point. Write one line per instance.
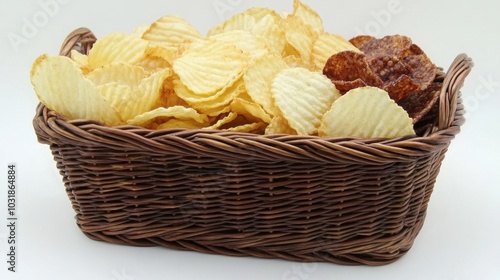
(257, 72)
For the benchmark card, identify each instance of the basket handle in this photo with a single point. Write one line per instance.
(81, 40)
(453, 82)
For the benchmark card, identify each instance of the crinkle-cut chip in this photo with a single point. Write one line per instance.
(231, 116)
(389, 68)
(400, 88)
(294, 61)
(300, 36)
(272, 31)
(366, 112)
(240, 21)
(168, 52)
(279, 125)
(260, 12)
(140, 30)
(121, 73)
(171, 30)
(249, 110)
(210, 65)
(81, 60)
(250, 44)
(117, 47)
(303, 97)
(394, 45)
(327, 45)
(120, 96)
(162, 115)
(308, 16)
(256, 127)
(258, 79)
(153, 64)
(418, 104)
(60, 86)
(423, 71)
(175, 123)
(360, 40)
(350, 66)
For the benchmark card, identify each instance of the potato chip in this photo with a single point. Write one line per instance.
(210, 65)
(120, 96)
(258, 80)
(270, 28)
(152, 64)
(418, 104)
(231, 116)
(81, 60)
(61, 86)
(121, 73)
(175, 123)
(350, 66)
(299, 36)
(115, 48)
(171, 30)
(247, 128)
(240, 21)
(140, 30)
(308, 16)
(360, 40)
(279, 125)
(366, 112)
(250, 44)
(164, 114)
(303, 97)
(388, 46)
(327, 45)
(293, 61)
(249, 110)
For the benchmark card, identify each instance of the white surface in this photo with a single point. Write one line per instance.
(460, 239)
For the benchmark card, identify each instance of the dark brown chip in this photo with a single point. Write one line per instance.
(401, 88)
(388, 68)
(349, 66)
(345, 86)
(391, 46)
(418, 104)
(423, 71)
(360, 40)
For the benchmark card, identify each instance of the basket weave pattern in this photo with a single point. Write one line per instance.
(340, 200)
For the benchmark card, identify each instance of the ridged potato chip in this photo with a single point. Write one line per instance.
(254, 46)
(61, 86)
(231, 116)
(279, 125)
(271, 29)
(249, 110)
(162, 115)
(327, 45)
(121, 73)
(303, 97)
(175, 123)
(171, 30)
(299, 36)
(210, 65)
(308, 16)
(115, 48)
(258, 79)
(366, 112)
(248, 128)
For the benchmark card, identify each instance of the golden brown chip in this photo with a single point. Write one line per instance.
(418, 104)
(391, 46)
(360, 40)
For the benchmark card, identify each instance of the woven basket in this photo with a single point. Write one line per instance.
(299, 198)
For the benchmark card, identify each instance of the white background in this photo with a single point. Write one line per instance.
(460, 239)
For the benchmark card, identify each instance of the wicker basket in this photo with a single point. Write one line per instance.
(339, 200)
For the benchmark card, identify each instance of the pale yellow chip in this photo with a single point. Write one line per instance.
(247, 128)
(366, 112)
(294, 61)
(303, 97)
(308, 16)
(162, 115)
(207, 66)
(250, 44)
(176, 123)
(153, 64)
(240, 21)
(140, 30)
(249, 110)
(115, 48)
(60, 85)
(299, 36)
(171, 30)
(121, 73)
(271, 29)
(279, 125)
(258, 80)
(231, 116)
(327, 45)
(81, 59)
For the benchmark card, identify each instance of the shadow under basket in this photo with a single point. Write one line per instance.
(306, 199)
